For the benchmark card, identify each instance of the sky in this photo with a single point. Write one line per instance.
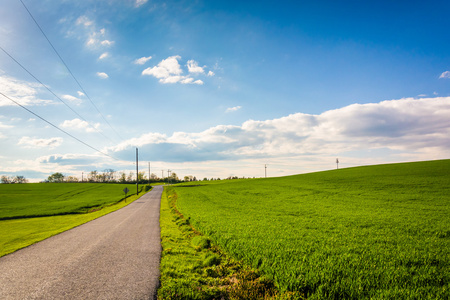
(221, 88)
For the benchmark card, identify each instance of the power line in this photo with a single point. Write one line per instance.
(15, 60)
(50, 123)
(68, 69)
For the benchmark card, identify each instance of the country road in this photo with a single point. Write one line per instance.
(113, 257)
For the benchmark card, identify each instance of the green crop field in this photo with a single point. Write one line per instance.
(34, 211)
(46, 199)
(378, 232)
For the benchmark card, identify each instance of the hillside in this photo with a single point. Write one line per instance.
(378, 231)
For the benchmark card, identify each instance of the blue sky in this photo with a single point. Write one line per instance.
(221, 88)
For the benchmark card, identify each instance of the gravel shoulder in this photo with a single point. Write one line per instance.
(116, 256)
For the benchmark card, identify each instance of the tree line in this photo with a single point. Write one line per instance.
(14, 179)
(112, 176)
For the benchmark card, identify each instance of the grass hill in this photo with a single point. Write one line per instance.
(379, 232)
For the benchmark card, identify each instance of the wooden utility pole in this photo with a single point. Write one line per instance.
(265, 171)
(137, 172)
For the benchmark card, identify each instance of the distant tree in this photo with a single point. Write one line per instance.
(20, 179)
(56, 177)
(130, 177)
(194, 179)
(141, 176)
(186, 178)
(109, 175)
(205, 179)
(123, 177)
(174, 177)
(71, 179)
(5, 179)
(93, 176)
(101, 177)
(154, 177)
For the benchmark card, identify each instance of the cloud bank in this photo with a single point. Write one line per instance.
(405, 125)
(40, 143)
(23, 92)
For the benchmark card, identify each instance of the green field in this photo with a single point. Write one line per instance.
(32, 212)
(380, 232)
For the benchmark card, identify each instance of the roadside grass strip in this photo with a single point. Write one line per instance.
(376, 232)
(193, 268)
(40, 215)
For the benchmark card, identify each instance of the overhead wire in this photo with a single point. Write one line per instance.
(68, 69)
(46, 87)
(53, 125)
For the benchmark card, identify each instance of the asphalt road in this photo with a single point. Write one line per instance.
(116, 256)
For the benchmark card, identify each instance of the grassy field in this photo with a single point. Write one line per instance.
(380, 232)
(192, 268)
(32, 212)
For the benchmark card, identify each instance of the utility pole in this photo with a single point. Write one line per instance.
(265, 171)
(337, 163)
(82, 174)
(162, 175)
(149, 173)
(168, 176)
(137, 172)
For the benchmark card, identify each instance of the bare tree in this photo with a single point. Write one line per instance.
(71, 179)
(109, 175)
(20, 179)
(130, 177)
(5, 179)
(123, 177)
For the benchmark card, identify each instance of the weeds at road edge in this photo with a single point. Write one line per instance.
(192, 268)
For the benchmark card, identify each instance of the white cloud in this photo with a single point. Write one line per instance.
(102, 75)
(142, 60)
(20, 91)
(80, 125)
(169, 71)
(91, 41)
(231, 109)
(84, 20)
(140, 3)
(104, 55)
(107, 43)
(80, 94)
(406, 126)
(187, 80)
(445, 74)
(72, 99)
(94, 38)
(193, 67)
(50, 143)
(172, 79)
(166, 68)
(211, 73)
